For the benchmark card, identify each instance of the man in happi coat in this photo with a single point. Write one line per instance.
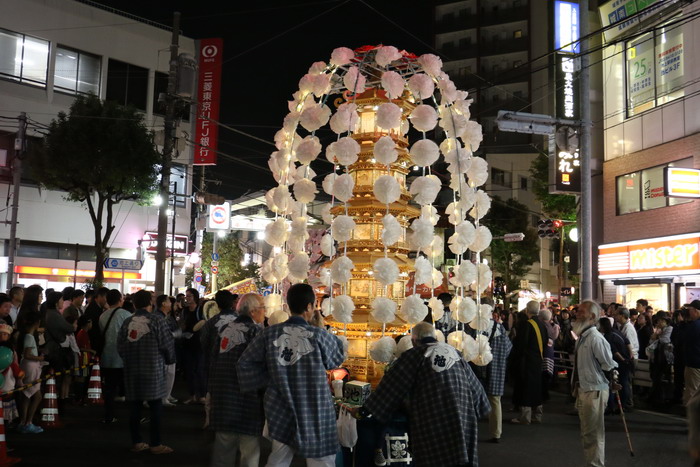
(145, 343)
(236, 417)
(526, 365)
(445, 401)
(290, 359)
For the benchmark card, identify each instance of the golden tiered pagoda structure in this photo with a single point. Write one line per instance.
(366, 246)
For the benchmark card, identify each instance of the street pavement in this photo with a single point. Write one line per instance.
(658, 440)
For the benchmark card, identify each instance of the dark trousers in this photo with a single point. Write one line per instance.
(155, 409)
(114, 379)
(193, 361)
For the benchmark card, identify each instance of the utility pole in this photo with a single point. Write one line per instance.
(586, 188)
(169, 143)
(20, 147)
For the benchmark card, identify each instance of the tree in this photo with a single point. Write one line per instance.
(100, 154)
(556, 206)
(230, 256)
(512, 260)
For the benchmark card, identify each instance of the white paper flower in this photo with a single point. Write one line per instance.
(422, 233)
(485, 277)
(299, 267)
(393, 84)
(424, 271)
(308, 150)
(424, 152)
(472, 135)
(280, 264)
(387, 54)
(484, 357)
(452, 122)
(462, 238)
(437, 246)
(439, 336)
(405, 343)
(482, 240)
(431, 64)
(482, 204)
(278, 317)
(470, 348)
(424, 118)
(464, 274)
(482, 321)
(345, 118)
(342, 308)
(478, 172)
(273, 303)
(436, 308)
(318, 84)
(389, 116)
(326, 307)
(342, 56)
(430, 214)
(346, 150)
(268, 273)
(448, 90)
(383, 349)
(295, 243)
(299, 227)
(326, 213)
(330, 153)
(289, 124)
(324, 276)
(317, 67)
(343, 186)
(437, 278)
(383, 310)
(456, 339)
(327, 245)
(386, 271)
(387, 189)
(462, 106)
(425, 189)
(391, 231)
(466, 310)
(314, 117)
(385, 150)
(341, 269)
(354, 81)
(421, 85)
(278, 199)
(460, 160)
(328, 182)
(276, 232)
(305, 190)
(342, 227)
(413, 310)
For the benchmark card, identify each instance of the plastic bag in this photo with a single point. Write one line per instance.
(347, 428)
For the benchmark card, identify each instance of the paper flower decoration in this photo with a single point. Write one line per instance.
(421, 85)
(391, 232)
(330, 153)
(278, 317)
(456, 339)
(305, 191)
(346, 150)
(343, 186)
(470, 348)
(431, 64)
(328, 246)
(318, 84)
(328, 182)
(462, 238)
(342, 56)
(341, 269)
(413, 310)
(354, 81)
(342, 308)
(299, 267)
(440, 336)
(482, 240)
(461, 106)
(314, 117)
(485, 276)
(460, 160)
(482, 204)
(387, 189)
(383, 349)
(430, 214)
(482, 321)
(393, 84)
(308, 150)
(326, 307)
(387, 54)
(342, 227)
(278, 199)
(299, 227)
(464, 274)
(422, 233)
(448, 90)
(383, 310)
(472, 135)
(345, 118)
(405, 343)
(276, 232)
(389, 116)
(318, 67)
(437, 309)
(424, 118)
(478, 172)
(452, 122)
(273, 303)
(425, 189)
(437, 246)
(386, 271)
(326, 213)
(483, 358)
(424, 271)
(424, 152)
(385, 150)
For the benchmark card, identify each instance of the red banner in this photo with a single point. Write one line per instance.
(208, 94)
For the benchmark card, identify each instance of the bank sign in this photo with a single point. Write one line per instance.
(663, 256)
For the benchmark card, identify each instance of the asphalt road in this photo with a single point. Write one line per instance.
(658, 440)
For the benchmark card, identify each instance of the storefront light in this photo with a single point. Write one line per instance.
(573, 234)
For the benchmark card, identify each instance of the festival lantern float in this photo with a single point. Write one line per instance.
(378, 94)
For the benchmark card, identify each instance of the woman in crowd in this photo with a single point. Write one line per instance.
(660, 353)
(644, 331)
(59, 352)
(30, 363)
(164, 307)
(545, 316)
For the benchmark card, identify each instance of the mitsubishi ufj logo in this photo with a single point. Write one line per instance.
(210, 51)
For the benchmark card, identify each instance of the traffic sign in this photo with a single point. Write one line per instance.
(514, 237)
(121, 263)
(215, 256)
(215, 270)
(214, 263)
(198, 278)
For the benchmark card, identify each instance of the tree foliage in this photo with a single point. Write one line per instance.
(100, 154)
(555, 206)
(512, 260)
(230, 257)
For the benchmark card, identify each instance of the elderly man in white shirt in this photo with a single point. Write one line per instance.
(622, 317)
(593, 359)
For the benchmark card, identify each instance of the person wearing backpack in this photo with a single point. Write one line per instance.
(111, 363)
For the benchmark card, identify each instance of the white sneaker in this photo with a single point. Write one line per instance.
(172, 400)
(167, 403)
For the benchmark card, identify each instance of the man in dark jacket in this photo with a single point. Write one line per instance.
(526, 366)
(93, 312)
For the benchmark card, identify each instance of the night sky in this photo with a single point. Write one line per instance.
(268, 47)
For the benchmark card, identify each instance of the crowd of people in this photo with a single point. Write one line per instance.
(254, 377)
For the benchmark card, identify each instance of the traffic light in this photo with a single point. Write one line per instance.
(208, 198)
(548, 228)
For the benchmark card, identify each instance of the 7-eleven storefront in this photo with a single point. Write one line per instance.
(663, 270)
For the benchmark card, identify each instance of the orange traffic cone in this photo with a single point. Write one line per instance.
(5, 460)
(94, 391)
(49, 411)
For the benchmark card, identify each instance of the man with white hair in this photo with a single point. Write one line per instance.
(446, 401)
(591, 386)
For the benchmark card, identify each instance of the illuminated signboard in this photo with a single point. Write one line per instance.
(568, 172)
(150, 241)
(664, 256)
(680, 182)
(567, 87)
(617, 16)
(566, 27)
(219, 217)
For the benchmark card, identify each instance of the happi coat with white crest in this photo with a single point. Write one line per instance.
(446, 402)
(290, 359)
(145, 343)
(224, 338)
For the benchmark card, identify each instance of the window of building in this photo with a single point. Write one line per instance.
(500, 177)
(127, 84)
(23, 58)
(517, 34)
(77, 72)
(523, 183)
(644, 190)
(655, 68)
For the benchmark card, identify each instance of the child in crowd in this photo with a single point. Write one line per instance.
(31, 363)
(12, 374)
